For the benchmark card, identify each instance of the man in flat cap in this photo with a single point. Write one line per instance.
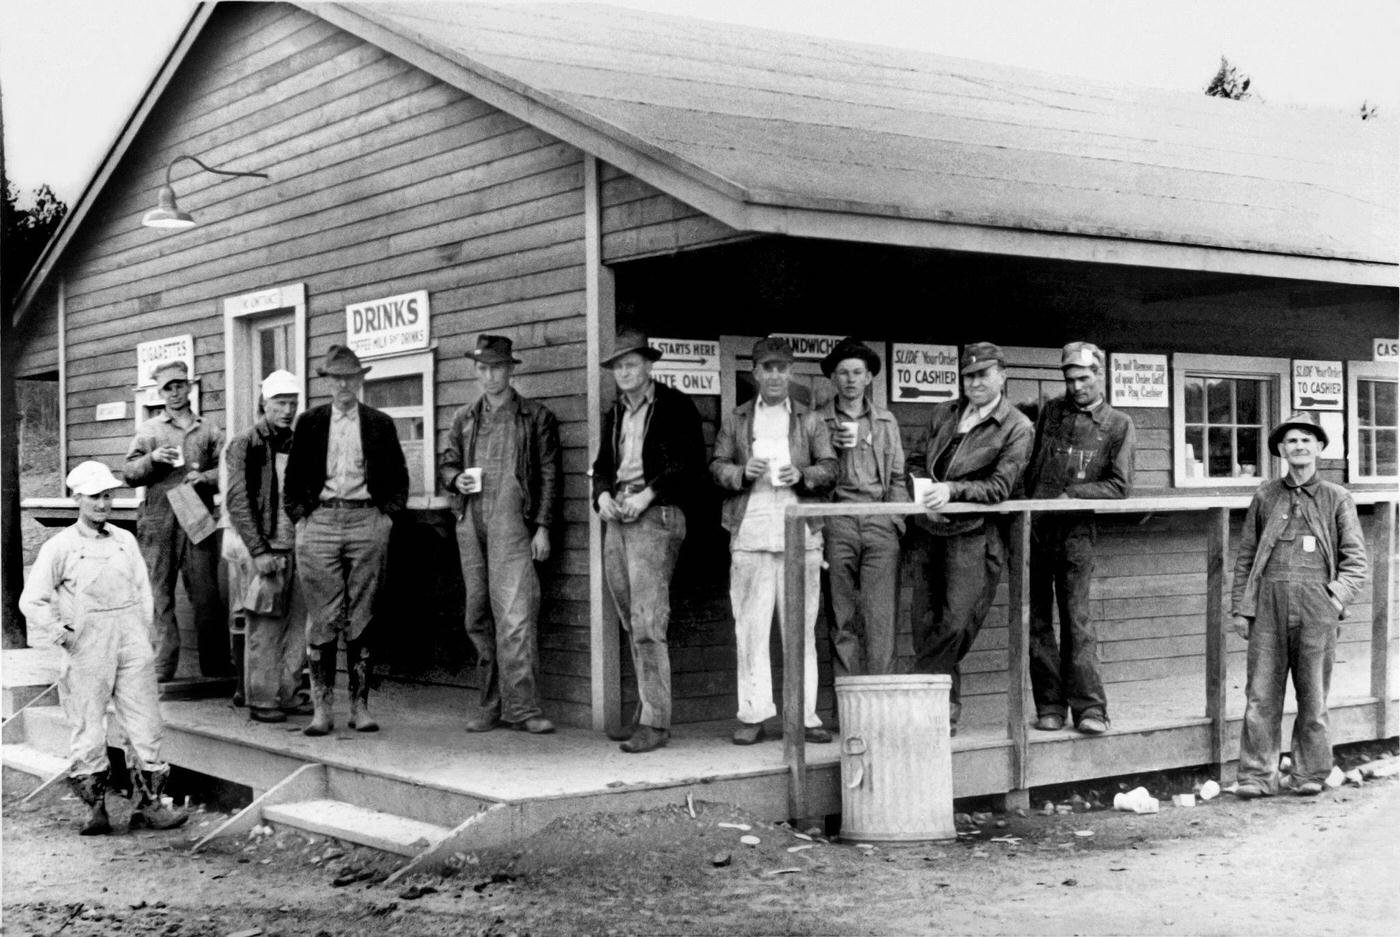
(179, 447)
(1083, 449)
(973, 450)
(503, 467)
(770, 452)
(651, 460)
(260, 543)
(862, 553)
(1301, 562)
(345, 480)
(88, 593)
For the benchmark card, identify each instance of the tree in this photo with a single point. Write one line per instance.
(1229, 82)
(26, 232)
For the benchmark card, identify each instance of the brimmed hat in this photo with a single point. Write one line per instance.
(91, 478)
(629, 341)
(772, 348)
(850, 348)
(1299, 420)
(280, 383)
(979, 356)
(341, 361)
(493, 349)
(172, 366)
(1081, 355)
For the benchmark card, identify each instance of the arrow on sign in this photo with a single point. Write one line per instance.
(1318, 402)
(675, 360)
(907, 392)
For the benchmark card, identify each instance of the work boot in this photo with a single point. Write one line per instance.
(151, 812)
(92, 790)
(357, 671)
(321, 664)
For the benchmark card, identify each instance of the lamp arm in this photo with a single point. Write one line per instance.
(201, 165)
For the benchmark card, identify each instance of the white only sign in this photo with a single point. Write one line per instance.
(698, 383)
(923, 373)
(387, 326)
(160, 351)
(689, 365)
(1318, 385)
(1385, 349)
(1138, 381)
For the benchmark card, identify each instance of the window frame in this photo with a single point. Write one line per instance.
(1370, 371)
(1183, 364)
(423, 363)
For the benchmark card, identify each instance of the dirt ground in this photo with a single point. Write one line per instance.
(1325, 865)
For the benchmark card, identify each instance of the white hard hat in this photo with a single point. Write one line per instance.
(92, 478)
(280, 382)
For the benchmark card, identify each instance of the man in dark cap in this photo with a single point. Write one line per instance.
(1083, 449)
(974, 450)
(502, 466)
(770, 452)
(650, 459)
(1301, 562)
(345, 480)
(862, 553)
(179, 447)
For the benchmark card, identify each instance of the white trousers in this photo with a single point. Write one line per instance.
(111, 659)
(755, 591)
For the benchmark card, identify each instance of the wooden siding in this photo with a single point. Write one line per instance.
(639, 220)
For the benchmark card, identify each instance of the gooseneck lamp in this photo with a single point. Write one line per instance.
(167, 214)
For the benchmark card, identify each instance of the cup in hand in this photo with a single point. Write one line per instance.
(775, 468)
(849, 429)
(179, 459)
(922, 486)
(473, 475)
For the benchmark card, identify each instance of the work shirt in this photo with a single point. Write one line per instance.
(200, 444)
(1081, 453)
(860, 474)
(284, 534)
(79, 574)
(1295, 556)
(496, 456)
(762, 526)
(345, 458)
(971, 415)
(634, 432)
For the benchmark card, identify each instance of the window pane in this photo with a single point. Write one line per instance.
(1221, 463)
(1247, 394)
(267, 352)
(409, 427)
(1195, 410)
(1385, 402)
(1366, 438)
(405, 391)
(1195, 451)
(1251, 455)
(1218, 401)
(1386, 460)
(1364, 411)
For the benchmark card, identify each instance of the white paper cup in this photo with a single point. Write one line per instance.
(179, 458)
(850, 428)
(775, 468)
(474, 474)
(922, 486)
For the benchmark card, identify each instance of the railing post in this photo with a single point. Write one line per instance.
(1217, 569)
(794, 618)
(1018, 626)
(1382, 559)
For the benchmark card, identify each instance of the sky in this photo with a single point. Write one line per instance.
(72, 71)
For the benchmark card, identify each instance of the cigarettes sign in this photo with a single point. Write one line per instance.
(161, 351)
(1318, 385)
(388, 326)
(924, 373)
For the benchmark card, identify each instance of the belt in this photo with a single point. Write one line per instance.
(346, 503)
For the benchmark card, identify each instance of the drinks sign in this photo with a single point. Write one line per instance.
(388, 326)
(1318, 385)
(1138, 381)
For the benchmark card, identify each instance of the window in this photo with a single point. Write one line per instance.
(263, 331)
(1223, 410)
(1033, 377)
(1372, 423)
(402, 387)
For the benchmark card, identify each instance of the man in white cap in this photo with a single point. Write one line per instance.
(262, 579)
(179, 447)
(88, 593)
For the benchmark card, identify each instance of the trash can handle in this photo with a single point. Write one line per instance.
(853, 754)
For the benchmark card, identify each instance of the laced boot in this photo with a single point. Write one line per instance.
(151, 812)
(320, 662)
(357, 670)
(92, 790)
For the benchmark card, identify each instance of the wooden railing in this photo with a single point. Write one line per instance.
(1219, 563)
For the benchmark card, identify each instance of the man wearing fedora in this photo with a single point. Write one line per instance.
(503, 467)
(862, 553)
(1083, 449)
(651, 458)
(345, 480)
(1301, 562)
(973, 450)
(770, 452)
(179, 447)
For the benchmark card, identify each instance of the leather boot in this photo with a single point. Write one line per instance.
(320, 661)
(92, 790)
(357, 670)
(151, 812)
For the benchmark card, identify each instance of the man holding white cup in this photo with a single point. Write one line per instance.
(770, 452)
(862, 553)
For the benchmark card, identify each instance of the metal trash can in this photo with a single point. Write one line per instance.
(896, 758)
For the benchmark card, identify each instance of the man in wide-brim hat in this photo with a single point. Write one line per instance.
(651, 458)
(346, 478)
(1301, 562)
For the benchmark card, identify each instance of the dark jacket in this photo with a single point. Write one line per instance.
(251, 499)
(538, 465)
(673, 448)
(1082, 455)
(985, 466)
(1330, 515)
(386, 473)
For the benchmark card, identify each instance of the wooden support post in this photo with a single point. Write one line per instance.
(1217, 580)
(1018, 621)
(1382, 666)
(794, 615)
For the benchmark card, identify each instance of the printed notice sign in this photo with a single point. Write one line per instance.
(387, 326)
(1138, 381)
(924, 373)
(1385, 349)
(1318, 385)
(150, 354)
(689, 365)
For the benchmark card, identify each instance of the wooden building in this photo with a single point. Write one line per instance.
(553, 172)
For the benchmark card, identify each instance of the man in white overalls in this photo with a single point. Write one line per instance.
(89, 594)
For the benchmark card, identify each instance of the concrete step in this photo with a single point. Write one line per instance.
(386, 832)
(31, 761)
(42, 728)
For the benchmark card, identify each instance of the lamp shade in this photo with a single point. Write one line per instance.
(167, 214)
